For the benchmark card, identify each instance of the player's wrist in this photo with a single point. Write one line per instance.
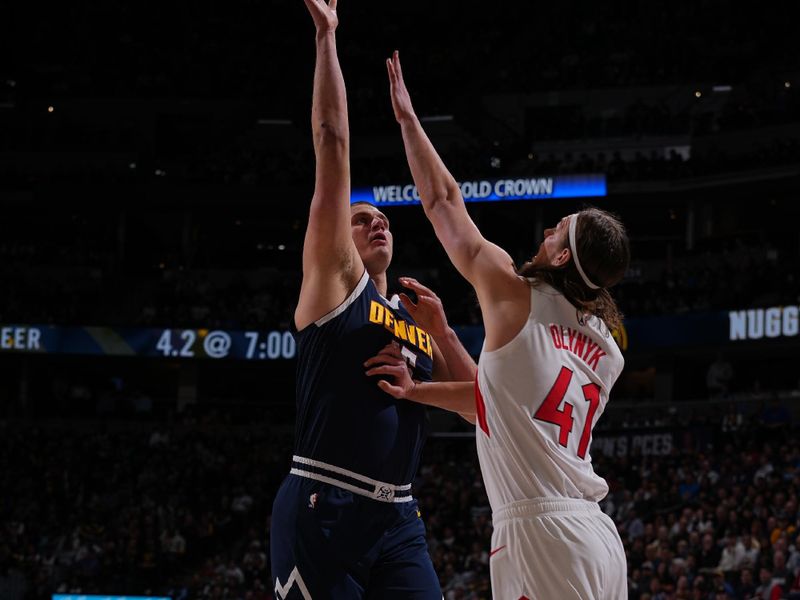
(407, 119)
(447, 335)
(325, 33)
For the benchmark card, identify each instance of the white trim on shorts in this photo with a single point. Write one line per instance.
(537, 507)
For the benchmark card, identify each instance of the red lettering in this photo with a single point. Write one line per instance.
(580, 340)
(572, 333)
(598, 354)
(563, 341)
(555, 336)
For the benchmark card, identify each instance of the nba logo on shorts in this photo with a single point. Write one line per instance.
(384, 493)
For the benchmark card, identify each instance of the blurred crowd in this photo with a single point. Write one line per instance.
(725, 276)
(135, 509)
(182, 508)
(734, 276)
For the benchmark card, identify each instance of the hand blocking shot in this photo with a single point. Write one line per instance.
(545, 372)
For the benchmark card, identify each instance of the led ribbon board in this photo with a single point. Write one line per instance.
(493, 190)
(167, 343)
(639, 333)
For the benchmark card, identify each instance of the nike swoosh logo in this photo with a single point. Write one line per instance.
(495, 551)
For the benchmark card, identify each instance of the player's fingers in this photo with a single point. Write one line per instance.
(380, 370)
(393, 349)
(397, 66)
(392, 370)
(407, 303)
(390, 70)
(393, 345)
(390, 389)
(384, 359)
(332, 4)
(375, 360)
(415, 285)
(428, 301)
(389, 353)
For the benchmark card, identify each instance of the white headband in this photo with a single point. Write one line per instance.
(573, 223)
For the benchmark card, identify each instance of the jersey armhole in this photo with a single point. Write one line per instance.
(347, 302)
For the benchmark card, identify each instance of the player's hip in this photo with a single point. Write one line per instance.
(556, 548)
(334, 538)
(317, 495)
(550, 525)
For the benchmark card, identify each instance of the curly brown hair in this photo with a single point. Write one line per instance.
(604, 250)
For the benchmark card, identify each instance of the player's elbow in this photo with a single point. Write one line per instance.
(434, 200)
(442, 196)
(330, 136)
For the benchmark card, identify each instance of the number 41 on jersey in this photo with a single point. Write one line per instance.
(549, 411)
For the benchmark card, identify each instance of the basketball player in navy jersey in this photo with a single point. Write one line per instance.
(344, 522)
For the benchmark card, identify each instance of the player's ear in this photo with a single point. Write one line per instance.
(562, 258)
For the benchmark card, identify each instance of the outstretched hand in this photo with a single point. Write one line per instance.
(428, 312)
(389, 361)
(401, 99)
(324, 14)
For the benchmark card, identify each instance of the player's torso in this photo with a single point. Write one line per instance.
(539, 397)
(343, 418)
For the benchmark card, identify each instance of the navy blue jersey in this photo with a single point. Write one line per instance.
(343, 417)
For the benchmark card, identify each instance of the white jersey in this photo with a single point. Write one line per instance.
(538, 398)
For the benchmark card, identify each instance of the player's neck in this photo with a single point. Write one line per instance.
(379, 279)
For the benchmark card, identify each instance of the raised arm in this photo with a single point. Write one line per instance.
(331, 265)
(486, 266)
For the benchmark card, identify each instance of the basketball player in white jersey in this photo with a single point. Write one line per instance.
(544, 376)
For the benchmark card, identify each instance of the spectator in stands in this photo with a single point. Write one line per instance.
(718, 377)
(733, 555)
(769, 588)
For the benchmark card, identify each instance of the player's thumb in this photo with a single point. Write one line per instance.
(387, 387)
(407, 303)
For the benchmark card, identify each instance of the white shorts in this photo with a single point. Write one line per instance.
(556, 549)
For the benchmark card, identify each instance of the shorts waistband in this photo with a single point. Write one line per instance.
(351, 481)
(537, 507)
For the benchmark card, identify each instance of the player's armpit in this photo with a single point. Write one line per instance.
(324, 290)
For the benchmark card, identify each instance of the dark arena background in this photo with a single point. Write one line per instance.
(156, 169)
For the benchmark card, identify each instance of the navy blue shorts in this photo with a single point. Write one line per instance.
(327, 543)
